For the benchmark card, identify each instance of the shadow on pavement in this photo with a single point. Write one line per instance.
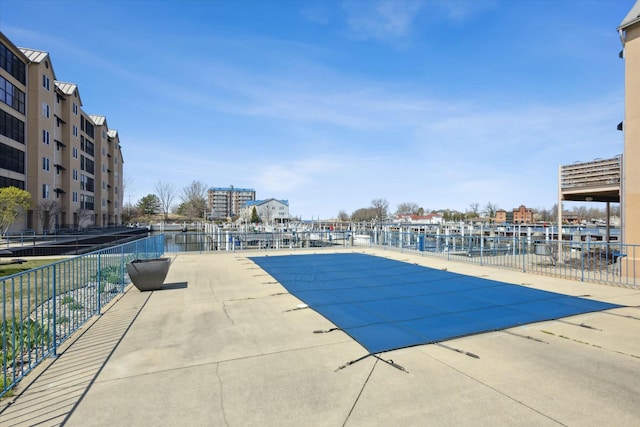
(52, 396)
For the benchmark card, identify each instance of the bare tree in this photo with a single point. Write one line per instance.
(381, 207)
(343, 216)
(166, 192)
(85, 218)
(194, 199)
(490, 210)
(408, 208)
(47, 212)
(364, 214)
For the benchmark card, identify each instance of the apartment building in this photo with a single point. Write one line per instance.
(53, 149)
(227, 202)
(109, 179)
(13, 117)
(520, 215)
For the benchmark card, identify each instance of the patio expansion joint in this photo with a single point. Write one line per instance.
(492, 388)
(222, 361)
(364, 384)
(579, 341)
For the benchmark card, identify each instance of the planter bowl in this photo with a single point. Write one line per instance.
(148, 274)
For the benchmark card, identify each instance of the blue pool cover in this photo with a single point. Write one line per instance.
(385, 304)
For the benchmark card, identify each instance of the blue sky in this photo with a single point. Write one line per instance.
(330, 104)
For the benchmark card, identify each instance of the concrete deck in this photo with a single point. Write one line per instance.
(218, 346)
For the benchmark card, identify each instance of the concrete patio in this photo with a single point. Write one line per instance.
(224, 344)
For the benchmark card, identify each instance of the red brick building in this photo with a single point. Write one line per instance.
(521, 215)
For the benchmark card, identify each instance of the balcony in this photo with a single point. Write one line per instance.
(597, 180)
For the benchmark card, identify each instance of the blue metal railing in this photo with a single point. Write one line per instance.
(42, 307)
(588, 261)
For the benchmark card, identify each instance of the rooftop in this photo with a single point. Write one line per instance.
(224, 344)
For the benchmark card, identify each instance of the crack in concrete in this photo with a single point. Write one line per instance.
(221, 401)
(224, 308)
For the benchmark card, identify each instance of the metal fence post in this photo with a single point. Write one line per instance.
(581, 258)
(55, 313)
(99, 282)
(122, 267)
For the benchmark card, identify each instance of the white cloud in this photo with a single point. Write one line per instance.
(381, 19)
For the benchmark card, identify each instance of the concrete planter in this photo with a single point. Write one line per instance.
(148, 274)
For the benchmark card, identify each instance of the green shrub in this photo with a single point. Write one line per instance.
(17, 338)
(109, 274)
(67, 300)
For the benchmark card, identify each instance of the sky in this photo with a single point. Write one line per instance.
(330, 104)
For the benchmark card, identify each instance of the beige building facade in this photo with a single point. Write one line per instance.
(69, 161)
(13, 118)
(630, 36)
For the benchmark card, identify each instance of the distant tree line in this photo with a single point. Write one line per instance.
(379, 211)
(193, 203)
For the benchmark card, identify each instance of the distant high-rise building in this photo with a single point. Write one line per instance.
(227, 202)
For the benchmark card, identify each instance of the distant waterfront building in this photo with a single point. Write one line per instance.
(226, 202)
(432, 218)
(71, 165)
(269, 210)
(520, 215)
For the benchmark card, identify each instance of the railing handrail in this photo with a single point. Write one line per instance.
(42, 307)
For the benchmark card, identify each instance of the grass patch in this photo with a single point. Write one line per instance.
(9, 269)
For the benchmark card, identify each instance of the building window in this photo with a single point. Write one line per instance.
(75, 131)
(75, 196)
(45, 109)
(45, 191)
(45, 136)
(45, 164)
(11, 95)
(11, 159)
(12, 64)
(75, 174)
(11, 127)
(75, 109)
(45, 82)
(75, 152)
